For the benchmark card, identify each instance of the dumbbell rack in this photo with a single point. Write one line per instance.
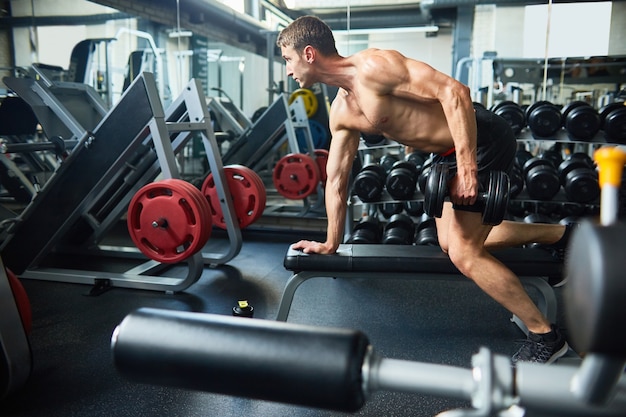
(89, 193)
(534, 145)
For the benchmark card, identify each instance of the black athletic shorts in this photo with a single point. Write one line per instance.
(496, 147)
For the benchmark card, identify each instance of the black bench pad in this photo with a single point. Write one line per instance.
(418, 259)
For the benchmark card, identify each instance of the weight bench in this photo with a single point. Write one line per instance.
(533, 266)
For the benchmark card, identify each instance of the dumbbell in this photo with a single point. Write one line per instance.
(390, 208)
(401, 180)
(417, 158)
(373, 140)
(369, 182)
(426, 232)
(553, 155)
(367, 231)
(512, 113)
(521, 156)
(422, 178)
(613, 122)
(399, 230)
(580, 120)
(413, 207)
(386, 161)
(541, 178)
(544, 119)
(579, 178)
(495, 198)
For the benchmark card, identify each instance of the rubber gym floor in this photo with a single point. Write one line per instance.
(442, 322)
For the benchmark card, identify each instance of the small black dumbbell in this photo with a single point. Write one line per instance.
(402, 180)
(386, 161)
(373, 140)
(369, 183)
(495, 197)
(613, 122)
(544, 119)
(390, 208)
(541, 178)
(512, 113)
(426, 232)
(579, 179)
(399, 230)
(423, 176)
(417, 158)
(367, 231)
(580, 120)
(414, 208)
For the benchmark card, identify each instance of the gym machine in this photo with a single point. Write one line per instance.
(338, 369)
(90, 191)
(15, 353)
(63, 110)
(258, 146)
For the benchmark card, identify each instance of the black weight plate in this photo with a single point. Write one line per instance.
(535, 162)
(542, 183)
(573, 105)
(513, 114)
(369, 183)
(387, 161)
(401, 180)
(544, 120)
(615, 125)
(581, 185)
(568, 165)
(604, 111)
(497, 198)
(582, 123)
(436, 189)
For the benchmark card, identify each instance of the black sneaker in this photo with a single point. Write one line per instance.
(542, 348)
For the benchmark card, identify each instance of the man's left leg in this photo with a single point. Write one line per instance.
(465, 240)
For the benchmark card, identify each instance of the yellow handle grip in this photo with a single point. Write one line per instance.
(610, 162)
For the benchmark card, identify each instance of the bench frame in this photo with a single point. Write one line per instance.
(546, 302)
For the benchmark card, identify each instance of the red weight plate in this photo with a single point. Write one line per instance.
(296, 176)
(167, 221)
(21, 300)
(247, 191)
(203, 204)
(321, 157)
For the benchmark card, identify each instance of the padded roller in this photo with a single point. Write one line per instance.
(244, 357)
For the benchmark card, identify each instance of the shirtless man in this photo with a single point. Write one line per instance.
(383, 92)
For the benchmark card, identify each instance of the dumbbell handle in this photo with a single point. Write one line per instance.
(610, 162)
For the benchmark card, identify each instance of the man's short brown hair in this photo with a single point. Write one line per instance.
(308, 30)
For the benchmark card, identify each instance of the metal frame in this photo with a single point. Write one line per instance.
(168, 133)
(547, 302)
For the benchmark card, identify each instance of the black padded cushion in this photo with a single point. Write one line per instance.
(418, 259)
(263, 359)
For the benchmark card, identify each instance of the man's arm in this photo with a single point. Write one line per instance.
(414, 80)
(343, 149)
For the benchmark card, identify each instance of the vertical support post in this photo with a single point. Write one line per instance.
(462, 39)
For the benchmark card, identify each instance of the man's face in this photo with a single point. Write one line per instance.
(297, 66)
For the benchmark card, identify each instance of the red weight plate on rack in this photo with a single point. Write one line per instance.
(168, 220)
(247, 191)
(296, 176)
